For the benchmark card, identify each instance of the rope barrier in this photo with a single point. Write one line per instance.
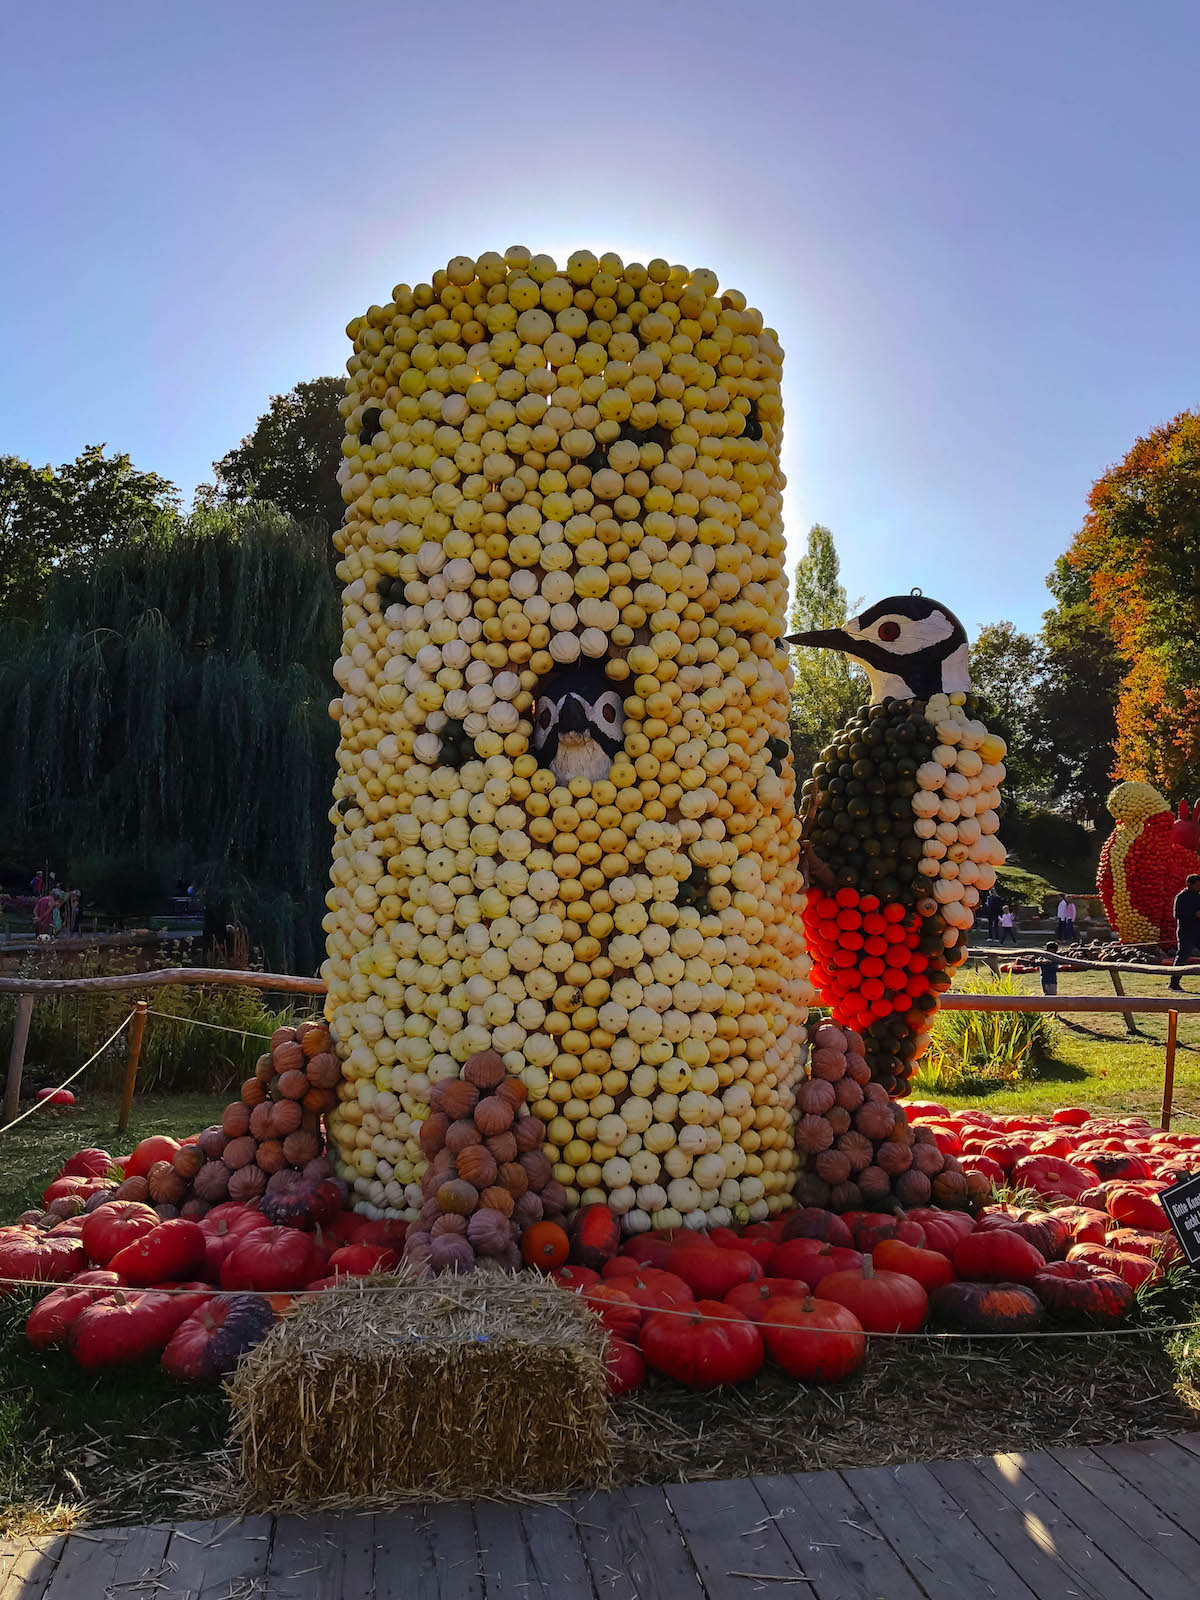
(45, 1101)
(101, 1290)
(217, 1027)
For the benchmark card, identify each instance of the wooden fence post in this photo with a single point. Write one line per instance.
(1169, 1071)
(1119, 988)
(16, 1057)
(137, 1028)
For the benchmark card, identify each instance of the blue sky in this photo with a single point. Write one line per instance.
(975, 227)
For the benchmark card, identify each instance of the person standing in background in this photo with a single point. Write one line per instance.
(1049, 968)
(993, 905)
(1062, 918)
(1008, 926)
(1071, 910)
(43, 916)
(1187, 927)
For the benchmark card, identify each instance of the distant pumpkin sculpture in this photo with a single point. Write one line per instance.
(1145, 862)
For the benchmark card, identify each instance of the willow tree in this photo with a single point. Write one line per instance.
(170, 705)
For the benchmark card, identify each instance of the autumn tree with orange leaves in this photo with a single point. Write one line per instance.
(1139, 549)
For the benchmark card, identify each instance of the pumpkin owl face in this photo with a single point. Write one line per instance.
(578, 719)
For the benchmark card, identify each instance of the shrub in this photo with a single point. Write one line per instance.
(999, 1044)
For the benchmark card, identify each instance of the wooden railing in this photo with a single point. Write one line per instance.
(28, 990)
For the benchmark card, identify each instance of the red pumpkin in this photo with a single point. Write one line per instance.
(752, 1299)
(124, 1328)
(1135, 1269)
(595, 1236)
(711, 1346)
(1046, 1232)
(815, 1340)
(272, 1258)
(652, 1248)
(92, 1163)
(172, 1250)
(158, 1147)
(1081, 1289)
(987, 1308)
(1051, 1176)
(1071, 1116)
(34, 1256)
(710, 1273)
(615, 1309)
(1087, 1226)
(208, 1343)
(359, 1260)
(810, 1222)
(1160, 1247)
(760, 1248)
(1133, 1206)
(930, 1268)
(883, 1302)
(575, 1279)
(83, 1188)
(624, 1366)
(943, 1229)
(809, 1265)
(113, 1226)
(868, 1234)
(650, 1288)
(1001, 1256)
(222, 1231)
(49, 1320)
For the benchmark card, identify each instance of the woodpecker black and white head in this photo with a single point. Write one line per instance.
(578, 722)
(910, 647)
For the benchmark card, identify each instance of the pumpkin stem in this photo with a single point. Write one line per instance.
(868, 1268)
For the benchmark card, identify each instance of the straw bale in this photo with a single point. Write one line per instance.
(393, 1386)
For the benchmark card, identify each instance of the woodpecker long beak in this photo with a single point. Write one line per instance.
(822, 639)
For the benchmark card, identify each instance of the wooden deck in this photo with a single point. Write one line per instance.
(1120, 1523)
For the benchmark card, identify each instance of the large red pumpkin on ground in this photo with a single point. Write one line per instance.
(124, 1328)
(49, 1320)
(807, 1261)
(272, 1258)
(172, 1250)
(113, 1226)
(615, 1308)
(710, 1273)
(810, 1222)
(883, 1302)
(712, 1345)
(930, 1268)
(624, 1366)
(997, 1257)
(33, 1256)
(158, 1147)
(1135, 1207)
(92, 1163)
(208, 1343)
(1135, 1269)
(943, 1229)
(649, 1287)
(1084, 1290)
(816, 1340)
(752, 1299)
(987, 1308)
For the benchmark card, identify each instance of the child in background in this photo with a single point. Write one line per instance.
(1049, 966)
(1008, 927)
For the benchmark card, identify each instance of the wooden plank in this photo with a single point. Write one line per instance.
(504, 1558)
(662, 1566)
(302, 1553)
(27, 1567)
(553, 1543)
(737, 1549)
(830, 1533)
(1017, 1541)
(1140, 1559)
(404, 1565)
(1119, 1498)
(212, 1558)
(1187, 1441)
(927, 1530)
(455, 1553)
(1175, 1494)
(93, 1564)
(1045, 1520)
(611, 1543)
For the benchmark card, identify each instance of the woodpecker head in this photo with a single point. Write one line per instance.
(578, 722)
(910, 647)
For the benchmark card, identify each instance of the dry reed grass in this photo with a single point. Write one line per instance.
(488, 1384)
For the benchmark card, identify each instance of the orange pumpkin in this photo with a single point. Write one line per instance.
(460, 1134)
(288, 1057)
(485, 1069)
(498, 1200)
(545, 1245)
(270, 1156)
(454, 1096)
(293, 1085)
(260, 1120)
(476, 1165)
(493, 1115)
(286, 1117)
(433, 1133)
(264, 1069)
(512, 1090)
(254, 1092)
(235, 1119)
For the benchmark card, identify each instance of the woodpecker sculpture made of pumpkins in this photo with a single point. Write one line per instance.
(900, 816)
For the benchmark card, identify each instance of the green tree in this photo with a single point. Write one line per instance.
(170, 706)
(827, 688)
(1072, 720)
(1005, 665)
(70, 517)
(291, 457)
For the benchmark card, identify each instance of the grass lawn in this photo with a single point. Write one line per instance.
(1096, 1063)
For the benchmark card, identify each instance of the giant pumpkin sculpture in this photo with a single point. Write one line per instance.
(565, 820)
